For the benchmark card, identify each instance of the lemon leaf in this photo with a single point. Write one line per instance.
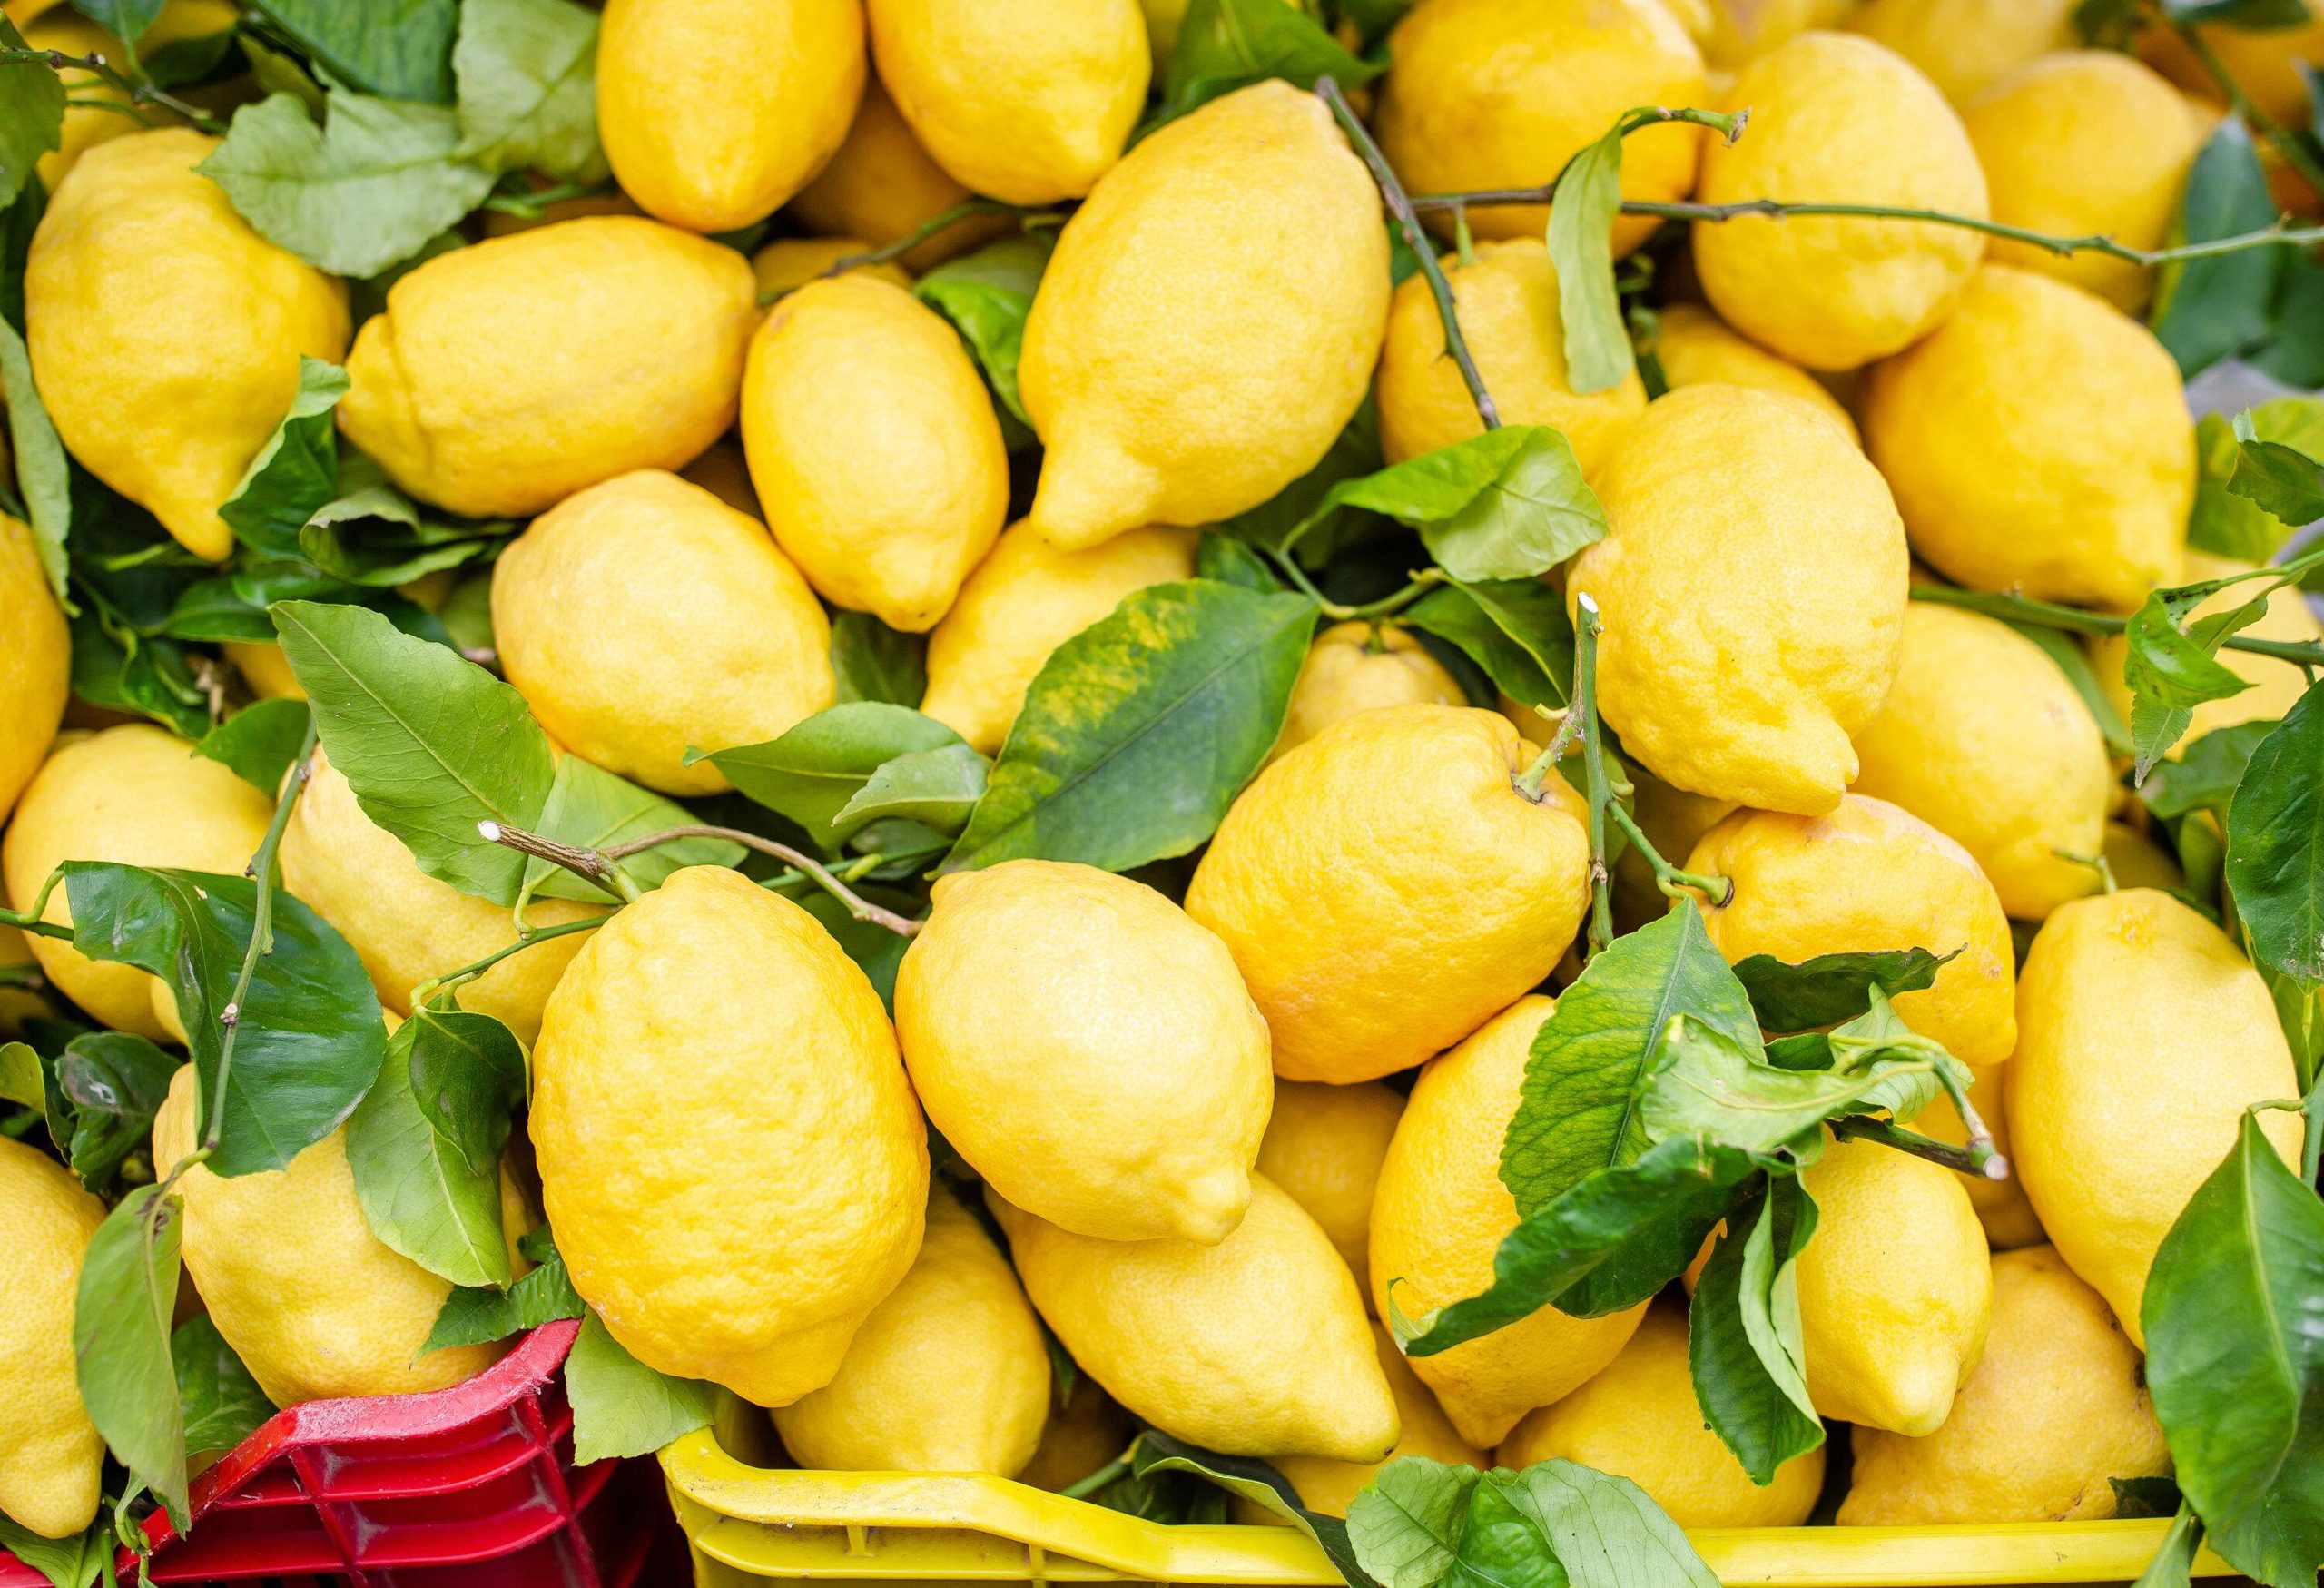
(399, 48)
(871, 661)
(1515, 629)
(2206, 310)
(620, 1406)
(526, 71)
(479, 1314)
(296, 472)
(1743, 1344)
(1831, 988)
(112, 1081)
(220, 1402)
(121, 1342)
(2275, 844)
(816, 768)
(2280, 459)
(32, 114)
(42, 473)
(421, 1192)
(1227, 44)
(1588, 196)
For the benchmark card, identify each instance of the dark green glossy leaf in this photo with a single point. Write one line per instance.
(117, 668)
(1227, 44)
(112, 1081)
(1743, 1334)
(2204, 777)
(481, 1315)
(467, 1074)
(2223, 522)
(31, 115)
(369, 533)
(297, 471)
(121, 1342)
(1515, 629)
(400, 48)
(2280, 458)
(874, 662)
(592, 808)
(1256, 1481)
(2206, 310)
(526, 71)
(2275, 844)
(221, 1401)
(1831, 988)
(623, 1407)
(1589, 195)
(192, 60)
(18, 221)
(986, 295)
(2296, 356)
(812, 772)
(260, 741)
(126, 20)
(421, 1194)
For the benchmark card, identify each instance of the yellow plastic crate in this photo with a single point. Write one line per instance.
(748, 1523)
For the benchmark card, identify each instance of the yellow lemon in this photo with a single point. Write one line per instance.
(1507, 304)
(949, 1374)
(135, 795)
(1985, 740)
(882, 185)
(789, 263)
(36, 666)
(1331, 1486)
(1029, 101)
(262, 665)
(644, 617)
(1752, 587)
(2057, 1408)
(2002, 1206)
(715, 112)
(1026, 599)
(507, 375)
(1209, 320)
(2137, 861)
(713, 1051)
(1638, 1419)
(165, 334)
(2038, 442)
(1694, 346)
(874, 447)
(1358, 667)
(1836, 118)
(1256, 1346)
(1324, 1146)
(1387, 888)
(1967, 46)
(87, 124)
(1494, 94)
(2142, 1036)
(2276, 686)
(1439, 1214)
(50, 1455)
(1087, 1048)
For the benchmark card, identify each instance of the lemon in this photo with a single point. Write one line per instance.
(50, 1455)
(290, 1273)
(791, 263)
(644, 617)
(713, 1051)
(509, 374)
(1029, 101)
(1732, 32)
(1087, 1048)
(139, 796)
(949, 1374)
(1256, 1346)
(1694, 346)
(1896, 1288)
(1439, 1213)
(1492, 93)
(1507, 304)
(1322, 1148)
(2142, 1036)
(262, 665)
(2276, 686)
(1868, 877)
(2056, 1409)
(1361, 667)
(1330, 1486)
(1836, 118)
(715, 112)
(1967, 46)
(1752, 584)
(1984, 738)
(2136, 860)
(2039, 442)
(1638, 1419)
(1387, 888)
(882, 185)
(36, 666)
(2082, 143)
(87, 124)
(165, 334)
(1026, 599)
(1209, 321)
(406, 926)
(2002, 1206)
(874, 447)
(1082, 1436)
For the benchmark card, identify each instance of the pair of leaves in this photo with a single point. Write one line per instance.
(1516, 630)
(2280, 459)
(97, 1097)
(848, 766)
(1423, 1523)
(2171, 664)
(1227, 44)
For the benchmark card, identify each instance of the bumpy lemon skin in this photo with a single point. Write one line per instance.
(715, 112)
(1256, 1346)
(873, 448)
(1026, 599)
(1323, 1148)
(507, 375)
(1965, 46)
(1751, 609)
(139, 796)
(1507, 304)
(1848, 121)
(1087, 1048)
(51, 1458)
(1209, 321)
(1386, 889)
(1331, 1486)
(1638, 1419)
(1439, 1214)
(644, 617)
(1494, 94)
(165, 334)
(881, 185)
(2143, 1036)
(2276, 686)
(728, 1149)
(1694, 346)
(35, 664)
(2057, 1407)
(2038, 442)
(1354, 667)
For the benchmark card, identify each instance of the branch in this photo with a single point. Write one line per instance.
(592, 866)
(525, 938)
(1977, 1159)
(2306, 653)
(138, 92)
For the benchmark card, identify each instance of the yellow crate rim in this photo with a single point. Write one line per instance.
(973, 1527)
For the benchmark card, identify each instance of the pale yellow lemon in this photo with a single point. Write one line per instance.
(790, 262)
(1966, 45)
(1694, 346)
(1331, 1486)
(881, 185)
(1324, 1146)
(35, 664)
(1361, 667)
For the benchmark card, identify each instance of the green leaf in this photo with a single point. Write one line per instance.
(220, 1402)
(112, 1081)
(2234, 1321)
(1407, 1523)
(43, 477)
(309, 1033)
(400, 48)
(31, 115)
(118, 668)
(478, 1316)
(986, 295)
(871, 661)
(1254, 1481)
(1355, 451)
(2224, 523)
(259, 741)
(2171, 667)
(2205, 776)
(1604, 1530)
(467, 1074)
(817, 767)
(297, 471)
(66, 1562)
(1139, 730)
(1233, 562)
(2280, 458)
(2275, 845)
(1831, 988)
(1743, 1334)
(937, 788)
(431, 744)
(421, 1194)
(1227, 44)
(2173, 1565)
(1588, 196)
(526, 71)
(2242, 13)
(623, 1407)
(121, 1342)
(1423, 1523)
(1505, 504)
(371, 186)
(2206, 310)
(18, 221)
(371, 534)
(592, 808)
(126, 20)
(1515, 629)
(192, 60)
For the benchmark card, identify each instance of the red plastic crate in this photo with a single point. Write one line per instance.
(472, 1486)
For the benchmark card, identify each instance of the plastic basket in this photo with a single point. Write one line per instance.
(468, 1487)
(747, 1523)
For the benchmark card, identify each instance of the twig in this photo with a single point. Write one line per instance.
(138, 93)
(2074, 620)
(592, 866)
(1674, 882)
(862, 909)
(942, 221)
(1974, 1159)
(525, 938)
